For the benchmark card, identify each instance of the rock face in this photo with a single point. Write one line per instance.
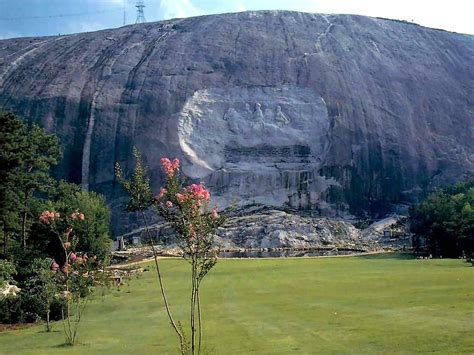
(338, 114)
(278, 229)
(263, 228)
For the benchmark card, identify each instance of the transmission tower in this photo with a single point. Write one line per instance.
(124, 12)
(140, 13)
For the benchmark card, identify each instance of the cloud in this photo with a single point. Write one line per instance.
(455, 15)
(178, 8)
(239, 7)
(115, 2)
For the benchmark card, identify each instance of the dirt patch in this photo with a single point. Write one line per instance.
(18, 326)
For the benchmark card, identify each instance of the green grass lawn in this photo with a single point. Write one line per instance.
(372, 304)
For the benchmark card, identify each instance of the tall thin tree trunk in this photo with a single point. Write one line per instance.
(67, 321)
(193, 307)
(162, 288)
(48, 324)
(24, 217)
(199, 319)
(5, 238)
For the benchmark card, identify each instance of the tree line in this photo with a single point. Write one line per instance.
(445, 221)
(29, 247)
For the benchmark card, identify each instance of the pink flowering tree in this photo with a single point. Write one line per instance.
(187, 209)
(75, 271)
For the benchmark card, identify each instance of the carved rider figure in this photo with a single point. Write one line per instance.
(268, 114)
(231, 116)
(258, 116)
(280, 117)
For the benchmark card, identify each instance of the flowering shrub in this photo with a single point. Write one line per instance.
(169, 167)
(75, 272)
(77, 215)
(187, 210)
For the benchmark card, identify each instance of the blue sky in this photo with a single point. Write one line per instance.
(19, 18)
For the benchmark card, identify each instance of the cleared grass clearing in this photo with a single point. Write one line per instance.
(368, 304)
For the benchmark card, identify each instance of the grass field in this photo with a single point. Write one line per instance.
(373, 304)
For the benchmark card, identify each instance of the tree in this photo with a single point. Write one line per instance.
(77, 272)
(40, 152)
(27, 154)
(93, 232)
(42, 287)
(13, 133)
(7, 271)
(446, 219)
(187, 210)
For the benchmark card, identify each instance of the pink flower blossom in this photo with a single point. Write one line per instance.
(175, 163)
(214, 214)
(54, 266)
(169, 204)
(72, 256)
(67, 245)
(169, 167)
(78, 215)
(180, 197)
(162, 192)
(198, 192)
(47, 216)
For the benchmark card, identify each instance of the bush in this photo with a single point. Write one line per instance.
(92, 234)
(446, 220)
(26, 308)
(10, 310)
(7, 271)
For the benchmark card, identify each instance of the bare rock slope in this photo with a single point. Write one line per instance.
(339, 114)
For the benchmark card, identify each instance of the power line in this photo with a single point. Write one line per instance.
(59, 15)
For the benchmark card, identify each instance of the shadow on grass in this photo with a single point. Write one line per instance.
(412, 256)
(66, 345)
(394, 255)
(51, 331)
(63, 345)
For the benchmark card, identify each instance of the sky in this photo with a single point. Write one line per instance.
(24, 18)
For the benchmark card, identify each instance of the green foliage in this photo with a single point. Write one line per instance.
(13, 133)
(28, 152)
(138, 187)
(11, 310)
(7, 271)
(41, 288)
(446, 219)
(92, 233)
(186, 209)
(77, 273)
(27, 190)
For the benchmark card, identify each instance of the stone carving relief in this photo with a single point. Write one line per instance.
(281, 118)
(257, 119)
(264, 144)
